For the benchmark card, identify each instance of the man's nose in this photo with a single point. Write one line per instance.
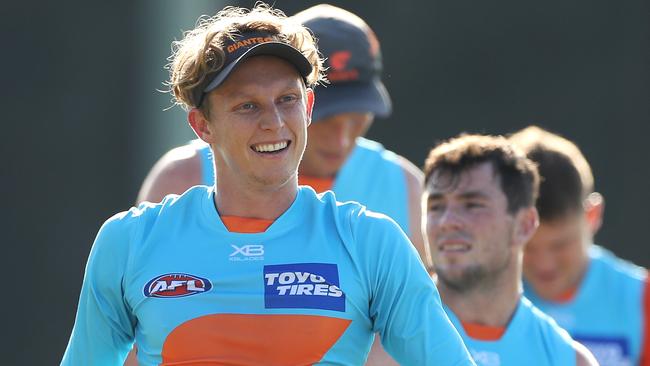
(272, 119)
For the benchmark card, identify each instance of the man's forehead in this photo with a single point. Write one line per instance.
(569, 221)
(477, 177)
(547, 236)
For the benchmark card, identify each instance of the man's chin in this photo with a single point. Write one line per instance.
(461, 280)
(275, 180)
(547, 292)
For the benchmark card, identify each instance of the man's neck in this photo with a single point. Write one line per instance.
(491, 305)
(255, 201)
(568, 292)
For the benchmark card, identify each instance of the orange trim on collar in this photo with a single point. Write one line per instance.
(245, 225)
(566, 296)
(483, 332)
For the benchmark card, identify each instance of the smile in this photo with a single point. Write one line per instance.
(454, 247)
(271, 148)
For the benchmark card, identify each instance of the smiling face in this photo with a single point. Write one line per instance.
(469, 228)
(331, 140)
(257, 124)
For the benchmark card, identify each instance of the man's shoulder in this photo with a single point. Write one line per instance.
(371, 149)
(609, 265)
(557, 340)
(351, 214)
(376, 150)
(171, 204)
(181, 156)
(328, 201)
(174, 172)
(547, 325)
(542, 319)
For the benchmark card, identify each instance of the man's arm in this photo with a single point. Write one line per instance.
(104, 327)
(405, 306)
(175, 172)
(378, 356)
(414, 183)
(132, 358)
(583, 356)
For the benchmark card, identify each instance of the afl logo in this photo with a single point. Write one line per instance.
(176, 285)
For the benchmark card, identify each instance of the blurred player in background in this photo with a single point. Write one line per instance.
(480, 196)
(600, 299)
(337, 156)
(255, 270)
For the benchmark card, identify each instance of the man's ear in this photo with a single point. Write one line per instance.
(594, 210)
(527, 220)
(200, 125)
(310, 104)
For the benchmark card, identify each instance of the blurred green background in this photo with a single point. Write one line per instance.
(85, 121)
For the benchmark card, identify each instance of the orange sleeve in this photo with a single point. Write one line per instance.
(645, 350)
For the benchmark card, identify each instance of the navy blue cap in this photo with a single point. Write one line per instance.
(353, 61)
(249, 44)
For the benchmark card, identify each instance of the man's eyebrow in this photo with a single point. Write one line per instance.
(434, 196)
(464, 195)
(473, 194)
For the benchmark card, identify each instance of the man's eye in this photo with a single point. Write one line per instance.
(288, 98)
(471, 205)
(436, 207)
(247, 106)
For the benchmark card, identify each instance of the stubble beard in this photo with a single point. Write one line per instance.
(478, 277)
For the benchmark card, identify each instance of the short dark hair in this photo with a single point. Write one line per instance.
(518, 175)
(566, 178)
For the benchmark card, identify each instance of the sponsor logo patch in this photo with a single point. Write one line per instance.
(176, 285)
(249, 252)
(303, 285)
(607, 350)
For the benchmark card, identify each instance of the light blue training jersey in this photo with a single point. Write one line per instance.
(371, 175)
(312, 289)
(531, 339)
(606, 314)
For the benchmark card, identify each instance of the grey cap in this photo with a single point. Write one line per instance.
(353, 61)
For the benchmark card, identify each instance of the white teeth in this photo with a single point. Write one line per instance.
(270, 147)
(454, 247)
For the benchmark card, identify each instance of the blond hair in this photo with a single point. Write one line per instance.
(200, 55)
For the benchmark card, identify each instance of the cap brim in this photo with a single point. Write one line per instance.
(278, 49)
(351, 97)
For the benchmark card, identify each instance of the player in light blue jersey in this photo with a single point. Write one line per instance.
(603, 301)
(337, 157)
(256, 270)
(480, 197)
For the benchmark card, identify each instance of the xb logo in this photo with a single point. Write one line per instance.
(249, 252)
